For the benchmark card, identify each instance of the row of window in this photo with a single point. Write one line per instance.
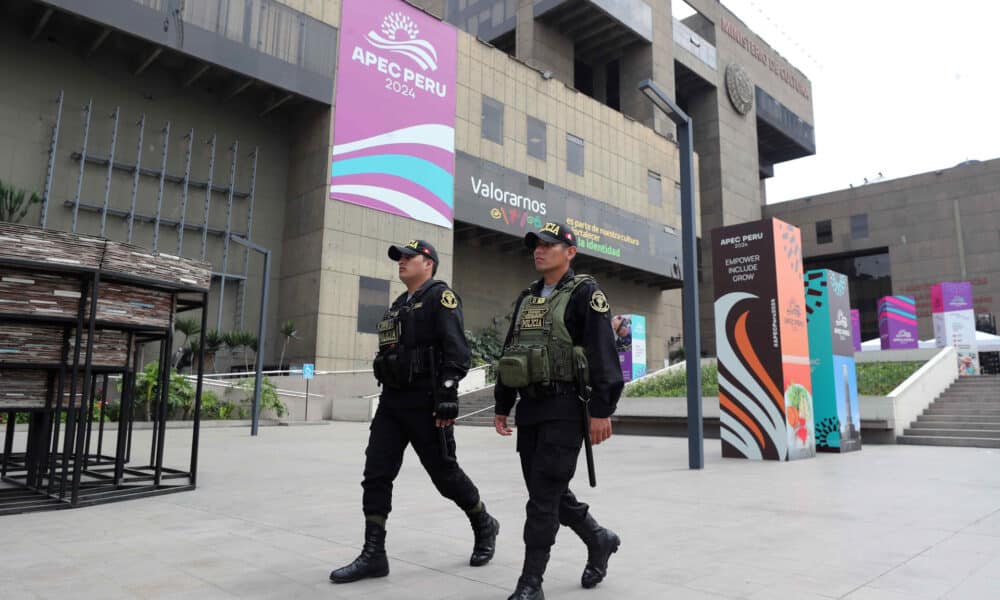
(859, 229)
(492, 129)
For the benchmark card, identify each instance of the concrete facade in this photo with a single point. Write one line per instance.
(937, 226)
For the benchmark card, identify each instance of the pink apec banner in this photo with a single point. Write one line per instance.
(897, 323)
(394, 126)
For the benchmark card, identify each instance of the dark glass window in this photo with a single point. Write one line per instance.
(574, 154)
(492, 126)
(859, 226)
(655, 188)
(869, 276)
(824, 232)
(536, 138)
(373, 299)
(678, 199)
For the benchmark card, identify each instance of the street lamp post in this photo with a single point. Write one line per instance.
(689, 246)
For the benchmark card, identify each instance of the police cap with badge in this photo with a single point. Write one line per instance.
(551, 233)
(414, 248)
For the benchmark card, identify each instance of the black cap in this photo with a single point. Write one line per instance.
(413, 248)
(551, 233)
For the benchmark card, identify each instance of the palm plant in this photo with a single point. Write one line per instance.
(13, 206)
(289, 332)
(214, 342)
(244, 340)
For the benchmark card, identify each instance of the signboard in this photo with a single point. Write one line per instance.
(308, 371)
(630, 342)
(501, 199)
(897, 323)
(955, 323)
(394, 127)
(831, 351)
(856, 328)
(765, 388)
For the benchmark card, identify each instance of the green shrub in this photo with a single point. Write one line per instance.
(878, 379)
(674, 385)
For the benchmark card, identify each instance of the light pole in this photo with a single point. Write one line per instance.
(689, 246)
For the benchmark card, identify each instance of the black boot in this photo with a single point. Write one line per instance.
(529, 587)
(485, 529)
(601, 544)
(372, 561)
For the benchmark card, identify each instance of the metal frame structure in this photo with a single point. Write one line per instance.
(222, 272)
(47, 475)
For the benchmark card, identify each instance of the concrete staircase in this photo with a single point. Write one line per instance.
(966, 414)
(474, 401)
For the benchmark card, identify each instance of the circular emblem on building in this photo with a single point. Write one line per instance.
(740, 88)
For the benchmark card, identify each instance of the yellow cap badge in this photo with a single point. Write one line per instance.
(552, 228)
(599, 302)
(448, 299)
(413, 244)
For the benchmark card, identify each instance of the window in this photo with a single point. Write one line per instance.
(373, 299)
(536, 138)
(655, 188)
(492, 127)
(824, 232)
(859, 226)
(574, 154)
(679, 200)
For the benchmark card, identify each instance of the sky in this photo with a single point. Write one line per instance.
(899, 87)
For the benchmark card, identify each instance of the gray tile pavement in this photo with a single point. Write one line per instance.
(273, 515)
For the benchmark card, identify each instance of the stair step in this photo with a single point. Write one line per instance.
(953, 433)
(969, 425)
(962, 410)
(915, 440)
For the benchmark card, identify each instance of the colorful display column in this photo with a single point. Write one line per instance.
(955, 322)
(630, 341)
(765, 389)
(831, 352)
(856, 328)
(897, 323)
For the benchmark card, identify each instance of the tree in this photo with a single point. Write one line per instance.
(13, 206)
(214, 342)
(289, 332)
(190, 328)
(244, 340)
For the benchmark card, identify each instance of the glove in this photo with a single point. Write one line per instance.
(447, 407)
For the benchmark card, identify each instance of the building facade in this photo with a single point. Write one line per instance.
(904, 235)
(548, 121)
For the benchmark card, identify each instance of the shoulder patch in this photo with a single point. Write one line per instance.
(599, 302)
(448, 299)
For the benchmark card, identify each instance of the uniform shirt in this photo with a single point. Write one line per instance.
(438, 325)
(590, 329)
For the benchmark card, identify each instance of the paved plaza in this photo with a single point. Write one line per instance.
(273, 515)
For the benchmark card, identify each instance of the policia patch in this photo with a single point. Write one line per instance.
(599, 302)
(448, 299)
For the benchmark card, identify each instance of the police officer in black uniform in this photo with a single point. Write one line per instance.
(560, 345)
(422, 355)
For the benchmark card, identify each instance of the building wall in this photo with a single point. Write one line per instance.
(618, 153)
(35, 71)
(932, 224)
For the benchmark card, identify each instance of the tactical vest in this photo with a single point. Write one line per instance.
(541, 350)
(405, 353)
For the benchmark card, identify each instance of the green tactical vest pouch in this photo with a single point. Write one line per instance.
(522, 366)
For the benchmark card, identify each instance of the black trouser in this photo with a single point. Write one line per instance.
(549, 452)
(391, 430)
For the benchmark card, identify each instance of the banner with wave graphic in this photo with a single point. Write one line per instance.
(394, 125)
(765, 390)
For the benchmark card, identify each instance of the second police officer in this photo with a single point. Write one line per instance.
(559, 350)
(422, 355)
